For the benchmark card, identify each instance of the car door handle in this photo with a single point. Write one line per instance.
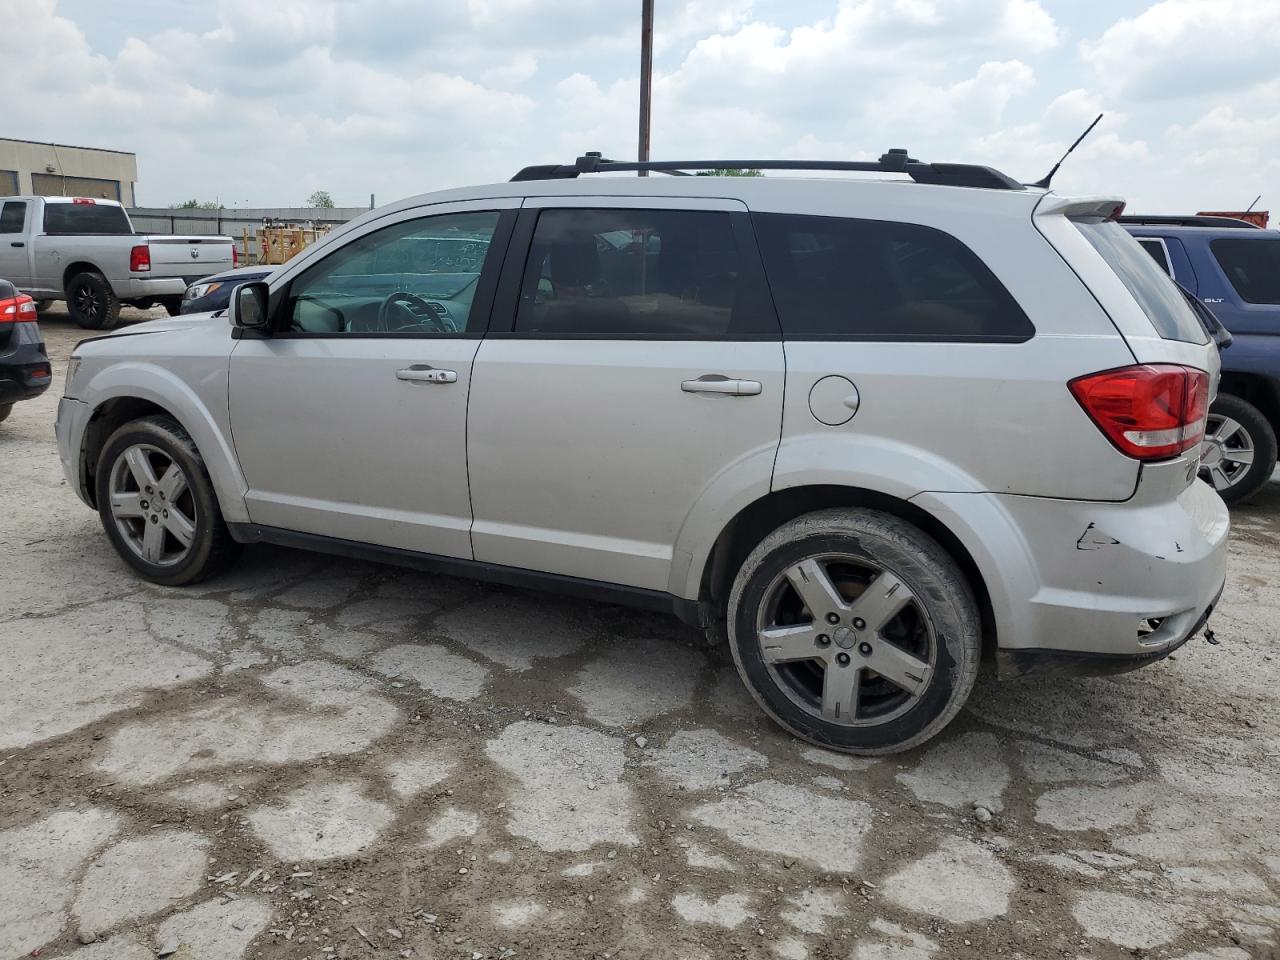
(423, 373)
(716, 383)
(16, 243)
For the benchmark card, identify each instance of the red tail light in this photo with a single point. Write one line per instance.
(140, 258)
(18, 309)
(1150, 411)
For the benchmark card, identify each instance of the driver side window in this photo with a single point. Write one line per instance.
(417, 277)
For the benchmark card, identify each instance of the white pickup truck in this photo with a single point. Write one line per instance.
(84, 251)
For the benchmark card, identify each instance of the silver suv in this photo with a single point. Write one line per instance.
(870, 431)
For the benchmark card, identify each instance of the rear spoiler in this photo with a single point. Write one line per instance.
(1081, 208)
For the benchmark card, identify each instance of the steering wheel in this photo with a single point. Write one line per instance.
(421, 312)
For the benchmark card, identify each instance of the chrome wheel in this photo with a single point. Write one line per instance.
(152, 504)
(1226, 453)
(846, 640)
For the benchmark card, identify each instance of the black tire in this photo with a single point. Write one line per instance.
(943, 619)
(91, 302)
(172, 305)
(1255, 434)
(42, 305)
(211, 549)
(5, 410)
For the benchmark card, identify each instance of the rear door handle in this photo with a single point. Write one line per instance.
(16, 243)
(717, 383)
(424, 373)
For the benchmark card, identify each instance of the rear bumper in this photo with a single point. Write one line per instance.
(24, 365)
(1081, 580)
(137, 288)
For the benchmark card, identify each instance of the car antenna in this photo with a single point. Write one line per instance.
(1254, 204)
(1044, 182)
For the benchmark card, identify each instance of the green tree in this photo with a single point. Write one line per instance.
(735, 172)
(196, 205)
(320, 198)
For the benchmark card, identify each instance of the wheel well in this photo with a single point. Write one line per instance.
(1262, 392)
(106, 419)
(756, 521)
(81, 266)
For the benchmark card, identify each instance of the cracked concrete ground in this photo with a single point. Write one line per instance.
(316, 758)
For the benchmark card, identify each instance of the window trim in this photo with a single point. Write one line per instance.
(481, 304)
(507, 299)
(1168, 258)
(900, 337)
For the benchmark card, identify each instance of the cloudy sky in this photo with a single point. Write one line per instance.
(262, 101)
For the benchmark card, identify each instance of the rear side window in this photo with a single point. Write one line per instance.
(1158, 253)
(835, 278)
(653, 274)
(1252, 266)
(13, 216)
(1157, 295)
(98, 219)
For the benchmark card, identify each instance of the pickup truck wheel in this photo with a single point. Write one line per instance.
(42, 305)
(5, 410)
(1238, 454)
(158, 505)
(855, 631)
(91, 301)
(172, 305)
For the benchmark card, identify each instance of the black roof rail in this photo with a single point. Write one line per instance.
(1188, 220)
(895, 161)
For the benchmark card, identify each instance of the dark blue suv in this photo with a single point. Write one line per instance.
(1232, 267)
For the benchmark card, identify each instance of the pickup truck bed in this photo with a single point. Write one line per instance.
(84, 251)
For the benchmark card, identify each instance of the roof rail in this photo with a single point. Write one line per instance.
(895, 161)
(1187, 220)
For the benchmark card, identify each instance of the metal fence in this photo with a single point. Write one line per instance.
(241, 223)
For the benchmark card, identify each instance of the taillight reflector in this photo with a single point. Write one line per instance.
(140, 258)
(1150, 411)
(19, 309)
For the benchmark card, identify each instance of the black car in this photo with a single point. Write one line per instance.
(24, 366)
(214, 293)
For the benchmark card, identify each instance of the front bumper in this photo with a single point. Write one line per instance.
(73, 417)
(1080, 580)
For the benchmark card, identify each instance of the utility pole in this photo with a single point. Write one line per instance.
(646, 78)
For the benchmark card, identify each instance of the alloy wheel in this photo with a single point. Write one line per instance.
(87, 302)
(152, 504)
(1226, 454)
(846, 640)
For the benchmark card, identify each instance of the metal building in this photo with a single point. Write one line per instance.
(58, 170)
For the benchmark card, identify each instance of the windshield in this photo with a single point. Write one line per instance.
(1252, 266)
(1159, 296)
(97, 219)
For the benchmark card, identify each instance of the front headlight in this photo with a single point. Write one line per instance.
(73, 367)
(198, 290)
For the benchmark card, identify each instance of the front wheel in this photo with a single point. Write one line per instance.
(5, 410)
(1238, 454)
(855, 631)
(172, 305)
(158, 506)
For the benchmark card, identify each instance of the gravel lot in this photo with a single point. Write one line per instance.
(313, 757)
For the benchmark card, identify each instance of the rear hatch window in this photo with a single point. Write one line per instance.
(1159, 297)
(81, 219)
(1252, 266)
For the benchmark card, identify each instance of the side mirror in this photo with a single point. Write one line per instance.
(248, 307)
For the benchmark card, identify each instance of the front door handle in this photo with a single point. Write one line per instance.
(424, 373)
(16, 243)
(716, 383)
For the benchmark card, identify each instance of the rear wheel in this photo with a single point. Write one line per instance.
(5, 410)
(855, 631)
(1239, 451)
(42, 305)
(158, 506)
(91, 301)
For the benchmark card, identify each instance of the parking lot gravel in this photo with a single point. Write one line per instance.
(312, 758)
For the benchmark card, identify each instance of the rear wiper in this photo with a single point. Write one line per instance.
(1212, 325)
